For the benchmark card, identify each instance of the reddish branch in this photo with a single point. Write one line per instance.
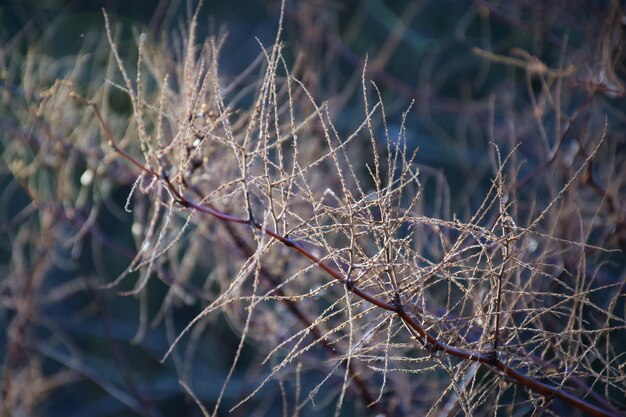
(490, 359)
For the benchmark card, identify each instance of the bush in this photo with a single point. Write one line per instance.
(435, 229)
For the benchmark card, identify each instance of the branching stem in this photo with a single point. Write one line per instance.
(395, 305)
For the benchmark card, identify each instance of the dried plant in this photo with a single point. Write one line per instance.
(329, 250)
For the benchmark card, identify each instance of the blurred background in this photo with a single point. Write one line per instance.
(461, 66)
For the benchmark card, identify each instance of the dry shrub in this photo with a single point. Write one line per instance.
(332, 251)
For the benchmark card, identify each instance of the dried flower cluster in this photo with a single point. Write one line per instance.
(329, 250)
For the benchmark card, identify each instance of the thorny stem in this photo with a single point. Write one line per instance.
(395, 306)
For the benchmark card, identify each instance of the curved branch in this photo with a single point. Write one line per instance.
(419, 332)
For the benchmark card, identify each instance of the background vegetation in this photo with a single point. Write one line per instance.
(346, 208)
